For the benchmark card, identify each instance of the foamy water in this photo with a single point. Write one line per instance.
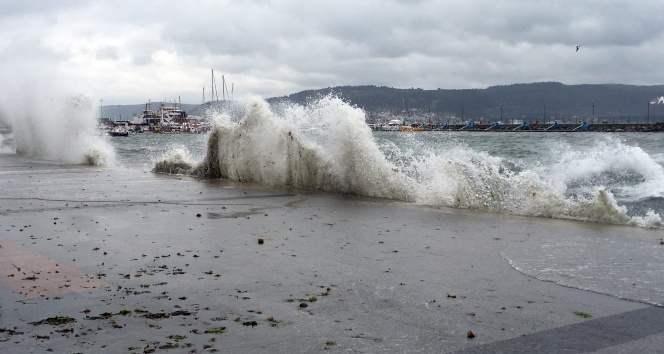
(57, 127)
(327, 146)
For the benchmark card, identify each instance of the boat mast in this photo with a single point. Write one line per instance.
(406, 105)
(223, 88)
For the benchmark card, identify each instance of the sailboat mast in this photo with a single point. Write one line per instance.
(223, 88)
(406, 105)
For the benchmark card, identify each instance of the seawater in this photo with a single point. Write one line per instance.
(612, 178)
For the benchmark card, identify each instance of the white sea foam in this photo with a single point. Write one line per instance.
(326, 145)
(7, 143)
(56, 127)
(269, 149)
(626, 170)
(177, 160)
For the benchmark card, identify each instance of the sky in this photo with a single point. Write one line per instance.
(129, 52)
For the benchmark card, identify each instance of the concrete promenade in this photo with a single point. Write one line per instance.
(97, 260)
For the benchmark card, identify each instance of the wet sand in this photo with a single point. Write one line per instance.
(114, 260)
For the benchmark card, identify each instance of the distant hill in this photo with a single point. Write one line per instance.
(533, 100)
(518, 101)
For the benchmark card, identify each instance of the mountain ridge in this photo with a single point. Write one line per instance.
(520, 100)
(548, 100)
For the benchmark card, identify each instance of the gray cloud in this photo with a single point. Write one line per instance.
(107, 52)
(125, 51)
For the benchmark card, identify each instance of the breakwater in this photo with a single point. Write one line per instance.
(554, 127)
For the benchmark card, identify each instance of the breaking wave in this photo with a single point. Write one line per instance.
(57, 128)
(326, 145)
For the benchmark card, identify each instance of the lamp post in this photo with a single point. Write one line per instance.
(648, 117)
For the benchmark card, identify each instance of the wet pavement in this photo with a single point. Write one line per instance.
(120, 261)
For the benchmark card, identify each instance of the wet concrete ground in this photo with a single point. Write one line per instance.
(110, 260)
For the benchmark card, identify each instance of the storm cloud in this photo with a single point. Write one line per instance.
(130, 52)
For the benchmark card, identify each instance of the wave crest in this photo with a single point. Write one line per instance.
(327, 146)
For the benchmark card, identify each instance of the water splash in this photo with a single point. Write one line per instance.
(7, 142)
(61, 128)
(271, 150)
(177, 160)
(326, 145)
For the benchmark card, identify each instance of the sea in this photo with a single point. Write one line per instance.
(607, 178)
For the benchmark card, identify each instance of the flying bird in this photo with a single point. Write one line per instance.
(577, 47)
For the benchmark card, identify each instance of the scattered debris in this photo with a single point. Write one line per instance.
(216, 330)
(470, 334)
(54, 321)
(582, 314)
(250, 323)
(155, 316)
(177, 337)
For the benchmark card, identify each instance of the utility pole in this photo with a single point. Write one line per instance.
(648, 117)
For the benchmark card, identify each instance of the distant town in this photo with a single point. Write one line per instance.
(533, 104)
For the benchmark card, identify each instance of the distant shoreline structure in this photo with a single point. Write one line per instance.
(657, 127)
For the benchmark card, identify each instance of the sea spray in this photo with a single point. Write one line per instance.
(176, 161)
(7, 142)
(627, 171)
(326, 145)
(461, 177)
(269, 149)
(59, 128)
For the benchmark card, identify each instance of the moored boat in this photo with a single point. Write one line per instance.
(118, 131)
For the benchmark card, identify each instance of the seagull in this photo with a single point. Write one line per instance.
(577, 47)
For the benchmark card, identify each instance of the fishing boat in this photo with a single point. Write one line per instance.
(166, 119)
(118, 131)
(393, 125)
(411, 128)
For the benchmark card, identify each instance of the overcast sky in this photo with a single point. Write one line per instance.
(127, 52)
